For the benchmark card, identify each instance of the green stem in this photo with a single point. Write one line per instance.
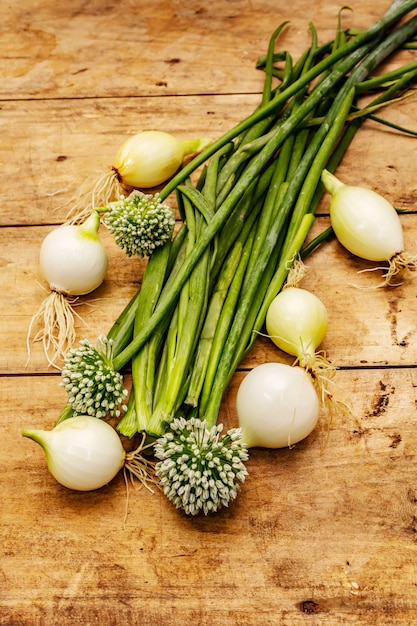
(224, 323)
(332, 131)
(229, 275)
(192, 305)
(229, 359)
(253, 169)
(375, 30)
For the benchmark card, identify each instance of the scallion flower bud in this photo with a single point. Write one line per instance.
(139, 223)
(198, 469)
(93, 386)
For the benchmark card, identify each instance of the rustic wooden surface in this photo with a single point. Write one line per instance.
(325, 533)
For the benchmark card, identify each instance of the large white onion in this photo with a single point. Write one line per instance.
(277, 405)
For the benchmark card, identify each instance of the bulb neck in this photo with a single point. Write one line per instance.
(331, 183)
(35, 435)
(91, 225)
(194, 146)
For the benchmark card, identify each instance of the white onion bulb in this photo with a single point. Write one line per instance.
(364, 222)
(144, 161)
(297, 322)
(277, 406)
(73, 259)
(83, 453)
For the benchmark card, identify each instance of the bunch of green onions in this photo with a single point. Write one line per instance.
(206, 291)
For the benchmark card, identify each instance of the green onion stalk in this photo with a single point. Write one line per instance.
(206, 289)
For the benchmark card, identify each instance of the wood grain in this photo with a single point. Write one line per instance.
(323, 533)
(326, 529)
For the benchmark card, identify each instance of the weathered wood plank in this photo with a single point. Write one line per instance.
(327, 527)
(323, 533)
(367, 326)
(103, 49)
(54, 151)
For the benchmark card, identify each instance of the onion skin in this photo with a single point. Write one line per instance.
(364, 222)
(152, 157)
(277, 406)
(148, 159)
(297, 322)
(83, 453)
(73, 259)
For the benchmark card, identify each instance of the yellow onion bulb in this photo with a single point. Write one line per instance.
(82, 453)
(297, 322)
(152, 157)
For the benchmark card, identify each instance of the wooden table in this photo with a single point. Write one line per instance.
(324, 533)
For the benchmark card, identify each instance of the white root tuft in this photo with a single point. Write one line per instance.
(397, 264)
(106, 189)
(57, 333)
(138, 466)
(296, 273)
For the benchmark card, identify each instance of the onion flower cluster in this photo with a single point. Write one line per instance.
(139, 223)
(198, 469)
(93, 386)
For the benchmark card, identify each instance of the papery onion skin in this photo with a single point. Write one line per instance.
(297, 321)
(277, 406)
(152, 157)
(364, 222)
(147, 159)
(73, 259)
(83, 453)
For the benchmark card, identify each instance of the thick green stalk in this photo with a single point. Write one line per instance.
(219, 293)
(271, 201)
(251, 202)
(199, 367)
(397, 11)
(252, 171)
(332, 132)
(148, 296)
(224, 323)
(191, 309)
(228, 361)
(142, 377)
